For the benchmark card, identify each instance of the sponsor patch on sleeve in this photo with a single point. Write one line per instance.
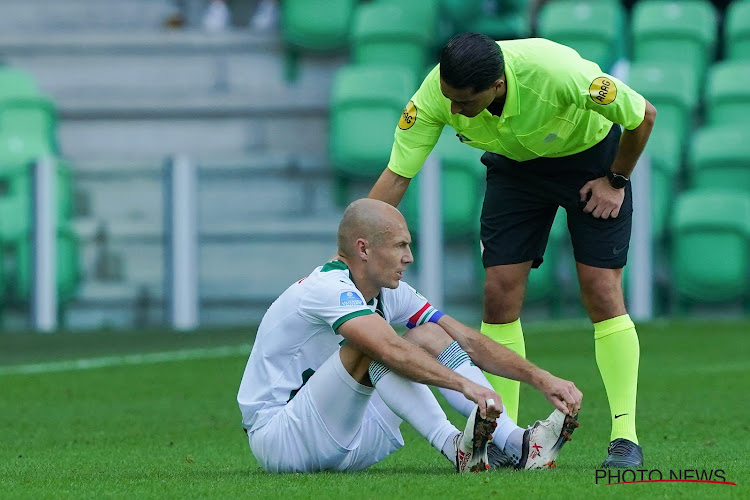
(602, 90)
(408, 116)
(350, 299)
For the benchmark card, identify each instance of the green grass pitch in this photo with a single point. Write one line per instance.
(172, 429)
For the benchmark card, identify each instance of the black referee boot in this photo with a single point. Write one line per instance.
(623, 454)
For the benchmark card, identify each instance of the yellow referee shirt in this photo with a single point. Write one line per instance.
(557, 104)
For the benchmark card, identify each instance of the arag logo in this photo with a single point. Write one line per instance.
(603, 90)
(408, 116)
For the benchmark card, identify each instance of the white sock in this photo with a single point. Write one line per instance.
(415, 404)
(457, 360)
(514, 445)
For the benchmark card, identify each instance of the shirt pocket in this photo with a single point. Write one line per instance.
(550, 138)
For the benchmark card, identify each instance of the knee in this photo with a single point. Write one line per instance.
(431, 337)
(503, 297)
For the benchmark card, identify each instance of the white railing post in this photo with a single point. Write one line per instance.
(181, 245)
(641, 283)
(431, 232)
(44, 284)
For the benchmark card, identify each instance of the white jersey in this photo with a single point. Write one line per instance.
(300, 331)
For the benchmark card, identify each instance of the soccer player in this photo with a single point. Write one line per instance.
(548, 121)
(329, 381)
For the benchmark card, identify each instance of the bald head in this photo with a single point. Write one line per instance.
(369, 219)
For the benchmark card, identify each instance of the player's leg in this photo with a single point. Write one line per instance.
(321, 424)
(416, 404)
(504, 289)
(600, 248)
(516, 218)
(617, 356)
(533, 448)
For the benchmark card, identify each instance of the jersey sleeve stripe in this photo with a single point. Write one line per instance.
(349, 316)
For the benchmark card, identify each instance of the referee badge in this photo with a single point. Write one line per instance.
(602, 90)
(408, 116)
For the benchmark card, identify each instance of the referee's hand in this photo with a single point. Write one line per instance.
(604, 201)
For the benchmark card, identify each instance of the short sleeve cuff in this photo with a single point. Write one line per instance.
(347, 317)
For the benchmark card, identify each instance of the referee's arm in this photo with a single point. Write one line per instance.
(390, 187)
(632, 143)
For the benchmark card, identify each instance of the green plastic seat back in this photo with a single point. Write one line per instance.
(737, 30)
(727, 95)
(595, 30)
(670, 87)
(682, 31)
(317, 25)
(710, 241)
(387, 33)
(366, 104)
(719, 157)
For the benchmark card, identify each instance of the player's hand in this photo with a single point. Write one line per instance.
(562, 393)
(481, 396)
(605, 201)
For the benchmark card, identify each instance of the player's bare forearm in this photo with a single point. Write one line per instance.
(491, 356)
(377, 340)
(390, 187)
(633, 142)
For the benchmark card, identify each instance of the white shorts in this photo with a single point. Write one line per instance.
(300, 438)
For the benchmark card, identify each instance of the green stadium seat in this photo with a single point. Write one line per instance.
(389, 33)
(711, 246)
(682, 31)
(461, 13)
(719, 157)
(423, 12)
(505, 26)
(595, 30)
(28, 129)
(670, 88)
(727, 98)
(16, 199)
(462, 180)
(737, 30)
(15, 82)
(366, 104)
(19, 251)
(664, 186)
(317, 25)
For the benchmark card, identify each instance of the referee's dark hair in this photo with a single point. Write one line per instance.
(471, 60)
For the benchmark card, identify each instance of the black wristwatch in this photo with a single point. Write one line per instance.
(617, 181)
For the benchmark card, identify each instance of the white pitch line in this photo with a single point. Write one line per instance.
(126, 360)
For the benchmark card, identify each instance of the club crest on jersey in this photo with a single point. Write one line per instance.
(350, 299)
(602, 90)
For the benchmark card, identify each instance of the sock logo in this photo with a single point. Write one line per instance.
(620, 415)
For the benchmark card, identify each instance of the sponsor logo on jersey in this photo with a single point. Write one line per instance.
(350, 299)
(602, 90)
(408, 116)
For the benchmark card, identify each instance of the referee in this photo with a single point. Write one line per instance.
(549, 123)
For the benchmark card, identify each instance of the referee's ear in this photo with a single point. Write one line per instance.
(500, 87)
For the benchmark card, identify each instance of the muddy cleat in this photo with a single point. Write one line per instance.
(471, 444)
(497, 458)
(623, 454)
(543, 440)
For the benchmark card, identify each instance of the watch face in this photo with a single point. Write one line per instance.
(617, 181)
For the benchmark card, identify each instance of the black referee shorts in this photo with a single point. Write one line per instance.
(522, 198)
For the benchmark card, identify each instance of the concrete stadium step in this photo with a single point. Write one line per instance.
(167, 64)
(23, 16)
(229, 191)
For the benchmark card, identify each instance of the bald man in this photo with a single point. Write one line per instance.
(329, 381)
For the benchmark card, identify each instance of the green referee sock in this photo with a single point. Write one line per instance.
(511, 336)
(617, 355)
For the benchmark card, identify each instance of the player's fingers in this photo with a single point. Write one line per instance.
(584, 191)
(560, 405)
(597, 211)
(482, 408)
(615, 213)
